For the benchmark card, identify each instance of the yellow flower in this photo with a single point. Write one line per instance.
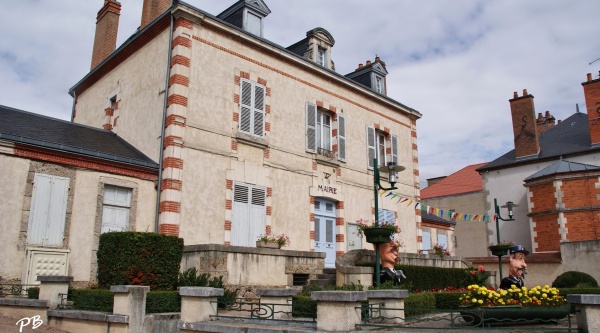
(474, 300)
(480, 301)
(544, 295)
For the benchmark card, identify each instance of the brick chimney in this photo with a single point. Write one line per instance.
(591, 90)
(545, 122)
(152, 9)
(107, 26)
(524, 125)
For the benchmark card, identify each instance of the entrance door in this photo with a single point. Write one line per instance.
(325, 230)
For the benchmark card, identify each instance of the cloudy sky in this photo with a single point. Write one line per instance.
(457, 62)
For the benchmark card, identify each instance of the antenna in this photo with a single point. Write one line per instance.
(577, 107)
(594, 61)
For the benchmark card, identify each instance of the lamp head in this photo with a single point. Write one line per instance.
(510, 205)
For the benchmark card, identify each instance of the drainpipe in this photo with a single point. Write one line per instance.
(164, 119)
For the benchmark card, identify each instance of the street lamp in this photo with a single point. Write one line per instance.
(510, 205)
(392, 169)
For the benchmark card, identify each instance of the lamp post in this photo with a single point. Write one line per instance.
(392, 168)
(510, 206)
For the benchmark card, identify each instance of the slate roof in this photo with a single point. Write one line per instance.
(562, 166)
(464, 181)
(425, 216)
(37, 130)
(568, 138)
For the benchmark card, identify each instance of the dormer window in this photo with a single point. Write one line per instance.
(379, 84)
(253, 24)
(322, 57)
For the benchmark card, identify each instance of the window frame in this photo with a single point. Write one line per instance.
(116, 206)
(252, 111)
(321, 56)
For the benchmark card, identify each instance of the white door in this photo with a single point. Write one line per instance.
(48, 210)
(325, 230)
(248, 214)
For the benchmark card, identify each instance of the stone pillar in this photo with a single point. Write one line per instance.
(277, 301)
(338, 311)
(51, 288)
(198, 303)
(389, 305)
(131, 301)
(587, 309)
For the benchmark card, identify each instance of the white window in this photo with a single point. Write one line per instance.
(252, 108)
(319, 139)
(375, 147)
(253, 24)
(442, 239)
(394, 142)
(48, 210)
(387, 216)
(379, 84)
(322, 57)
(115, 209)
(426, 241)
(248, 214)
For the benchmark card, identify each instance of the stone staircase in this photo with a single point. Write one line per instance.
(327, 278)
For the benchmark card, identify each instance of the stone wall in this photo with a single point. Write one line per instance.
(582, 257)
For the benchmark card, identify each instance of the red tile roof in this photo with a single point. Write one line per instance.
(465, 180)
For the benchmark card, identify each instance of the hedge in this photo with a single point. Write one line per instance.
(163, 301)
(92, 299)
(139, 258)
(573, 279)
(419, 304)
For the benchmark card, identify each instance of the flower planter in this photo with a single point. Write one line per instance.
(270, 245)
(517, 314)
(499, 250)
(378, 235)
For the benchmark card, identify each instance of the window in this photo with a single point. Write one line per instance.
(48, 210)
(377, 143)
(387, 216)
(253, 24)
(248, 214)
(319, 139)
(426, 241)
(379, 84)
(252, 108)
(116, 207)
(322, 57)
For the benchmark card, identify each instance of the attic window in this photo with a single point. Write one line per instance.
(253, 24)
(378, 84)
(322, 57)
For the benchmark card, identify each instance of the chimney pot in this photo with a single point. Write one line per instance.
(525, 92)
(540, 115)
(360, 66)
(368, 62)
(589, 77)
(376, 58)
(515, 95)
(547, 114)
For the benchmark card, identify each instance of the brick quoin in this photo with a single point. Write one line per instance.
(339, 205)
(312, 217)
(419, 239)
(339, 221)
(236, 100)
(180, 60)
(334, 148)
(311, 200)
(312, 235)
(233, 144)
(339, 172)
(245, 75)
(314, 165)
(332, 109)
(267, 126)
(236, 117)
(177, 99)
(107, 127)
(229, 184)
(269, 211)
(168, 229)
(266, 153)
(182, 22)
(339, 238)
(334, 132)
(172, 162)
(227, 225)
(269, 192)
(262, 81)
(171, 141)
(171, 120)
(268, 92)
(339, 253)
(268, 230)
(179, 79)
(109, 112)
(183, 41)
(319, 104)
(228, 204)
(236, 80)
(171, 184)
(170, 206)
(268, 109)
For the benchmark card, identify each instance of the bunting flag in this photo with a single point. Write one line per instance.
(454, 216)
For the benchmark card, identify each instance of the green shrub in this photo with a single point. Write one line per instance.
(566, 291)
(447, 300)
(303, 307)
(191, 278)
(92, 299)
(427, 278)
(33, 292)
(163, 301)
(419, 304)
(139, 258)
(572, 279)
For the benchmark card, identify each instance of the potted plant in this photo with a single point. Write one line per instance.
(273, 241)
(440, 250)
(486, 305)
(379, 234)
(501, 249)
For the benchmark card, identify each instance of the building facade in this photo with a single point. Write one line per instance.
(251, 137)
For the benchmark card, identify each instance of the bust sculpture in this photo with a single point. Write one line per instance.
(388, 253)
(517, 268)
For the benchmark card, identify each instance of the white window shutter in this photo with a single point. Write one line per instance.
(257, 214)
(245, 106)
(48, 210)
(395, 149)
(58, 211)
(240, 223)
(40, 203)
(259, 110)
(370, 146)
(341, 138)
(311, 127)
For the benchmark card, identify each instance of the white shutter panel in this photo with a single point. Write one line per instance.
(370, 146)
(240, 222)
(259, 110)
(57, 211)
(257, 214)
(395, 149)
(329, 226)
(341, 138)
(311, 127)
(40, 204)
(317, 229)
(245, 106)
